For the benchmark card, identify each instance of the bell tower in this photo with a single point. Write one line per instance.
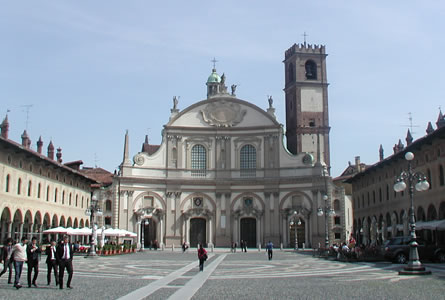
(306, 89)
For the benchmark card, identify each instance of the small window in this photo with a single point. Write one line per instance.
(108, 221)
(337, 220)
(441, 176)
(9, 159)
(55, 195)
(20, 164)
(77, 198)
(19, 186)
(337, 235)
(82, 203)
(39, 187)
(47, 193)
(29, 188)
(63, 197)
(7, 183)
(311, 122)
(108, 206)
(30, 167)
(69, 203)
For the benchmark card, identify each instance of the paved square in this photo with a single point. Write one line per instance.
(174, 275)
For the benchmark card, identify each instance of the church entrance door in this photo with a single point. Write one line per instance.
(198, 232)
(149, 231)
(248, 231)
(301, 236)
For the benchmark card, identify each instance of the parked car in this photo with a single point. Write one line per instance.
(397, 250)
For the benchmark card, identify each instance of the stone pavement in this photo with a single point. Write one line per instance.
(174, 275)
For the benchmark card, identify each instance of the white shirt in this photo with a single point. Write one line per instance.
(19, 252)
(66, 251)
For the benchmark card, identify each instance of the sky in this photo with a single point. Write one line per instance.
(81, 73)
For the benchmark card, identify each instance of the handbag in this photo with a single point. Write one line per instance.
(204, 256)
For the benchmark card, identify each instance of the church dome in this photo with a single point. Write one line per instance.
(214, 77)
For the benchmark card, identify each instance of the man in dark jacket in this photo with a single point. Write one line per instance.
(51, 262)
(32, 252)
(64, 255)
(7, 259)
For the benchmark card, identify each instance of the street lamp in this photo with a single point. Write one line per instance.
(414, 180)
(327, 210)
(92, 211)
(145, 222)
(295, 223)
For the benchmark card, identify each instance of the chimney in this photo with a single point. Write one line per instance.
(26, 142)
(59, 155)
(39, 145)
(5, 128)
(51, 150)
(357, 164)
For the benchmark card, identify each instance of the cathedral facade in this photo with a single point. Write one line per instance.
(223, 172)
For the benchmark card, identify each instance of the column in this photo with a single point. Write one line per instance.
(284, 233)
(129, 208)
(187, 232)
(30, 231)
(40, 228)
(20, 231)
(138, 245)
(210, 232)
(161, 223)
(9, 229)
(235, 230)
(258, 231)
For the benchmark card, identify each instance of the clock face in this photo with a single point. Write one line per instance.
(197, 201)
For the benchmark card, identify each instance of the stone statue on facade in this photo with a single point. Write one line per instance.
(270, 101)
(233, 87)
(175, 103)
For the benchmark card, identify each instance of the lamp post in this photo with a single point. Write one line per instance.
(296, 224)
(414, 180)
(92, 211)
(326, 211)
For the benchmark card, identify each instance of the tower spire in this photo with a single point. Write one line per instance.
(409, 138)
(126, 160)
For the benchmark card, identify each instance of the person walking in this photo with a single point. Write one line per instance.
(202, 256)
(51, 262)
(19, 255)
(33, 251)
(269, 249)
(6, 258)
(64, 254)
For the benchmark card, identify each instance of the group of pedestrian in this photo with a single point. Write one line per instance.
(59, 258)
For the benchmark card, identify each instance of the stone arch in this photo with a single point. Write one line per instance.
(69, 223)
(27, 224)
(306, 198)
(87, 223)
(158, 199)
(187, 201)
(442, 210)
(420, 216)
(62, 222)
(432, 213)
(76, 223)
(81, 224)
(54, 222)
(244, 195)
(17, 220)
(5, 220)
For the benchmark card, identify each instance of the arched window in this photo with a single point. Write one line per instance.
(248, 161)
(373, 197)
(432, 214)
(387, 192)
(39, 190)
(290, 73)
(199, 160)
(29, 188)
(441, 177)
(337, 206)
(7, 183)
(55, 195)
(19, 186)
(82, 203)
(420, 214)
(380, 194)
(77, 198)
(69, 203)
(63, 197)
(311, 70)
